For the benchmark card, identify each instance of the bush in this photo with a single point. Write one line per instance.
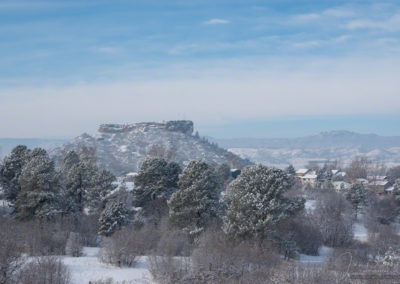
(45, 270)
(118, 250)
(10, 259)
(74, 245)
(332, 216)
(306, 235)
(173, 243)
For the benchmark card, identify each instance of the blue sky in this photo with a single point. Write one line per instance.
(237, 68)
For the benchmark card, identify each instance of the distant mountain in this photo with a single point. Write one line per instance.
(335, 145)
(123, 148)
(7, 144)
(332, 139)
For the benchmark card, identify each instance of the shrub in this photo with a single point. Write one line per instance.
(10, 259)
(45, 270)
(118, 250)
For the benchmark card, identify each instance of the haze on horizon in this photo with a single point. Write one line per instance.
(236, 68)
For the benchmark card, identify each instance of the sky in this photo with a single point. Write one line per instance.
(237, 68)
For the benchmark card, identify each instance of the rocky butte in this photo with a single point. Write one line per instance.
(122, 148)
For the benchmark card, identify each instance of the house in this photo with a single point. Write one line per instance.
(301, 172)
(341, 185)
(361, 180)
(379, 186)
(376, 178)
(309, 178)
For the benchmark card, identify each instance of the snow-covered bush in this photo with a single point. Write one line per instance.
(45, 270)
(118, 250)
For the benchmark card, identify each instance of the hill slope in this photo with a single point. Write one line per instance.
(122, 148)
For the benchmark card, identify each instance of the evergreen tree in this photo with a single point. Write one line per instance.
(290, 170)
(103, 185)
(256, 203)
(224, 172)
(10, 172)
(357, 196)
(154, 184)
(70, 160)
(324, 178)
(114, 216)
(39, 188)
(195, 204)
(79, 180)
(396, 189)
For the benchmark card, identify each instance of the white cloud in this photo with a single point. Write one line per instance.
(107, 49)
(217, 22)
(306, 17)
(391, 24)
(319, 43)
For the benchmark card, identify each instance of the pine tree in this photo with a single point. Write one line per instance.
(256, 203)
(79, 181)
(396, 189)
(103, 185)
(10, 172)
(195, 204)
(39, 188)
(357, 196)
(290, 170)
(154, 184)
(114, 216)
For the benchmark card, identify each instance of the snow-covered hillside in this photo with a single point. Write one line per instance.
(122, 148)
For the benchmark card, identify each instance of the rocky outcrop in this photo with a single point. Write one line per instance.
(122, 148)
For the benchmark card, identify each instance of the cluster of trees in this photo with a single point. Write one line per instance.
(199, 210)
(34, 187)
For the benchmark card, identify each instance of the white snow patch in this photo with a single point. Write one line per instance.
(123, 148)
(360, 232)
(323, 252)
(310, 205)
(89, 268)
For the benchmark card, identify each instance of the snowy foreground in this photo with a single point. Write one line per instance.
(88, 268)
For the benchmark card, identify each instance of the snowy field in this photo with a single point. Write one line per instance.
(88, 268)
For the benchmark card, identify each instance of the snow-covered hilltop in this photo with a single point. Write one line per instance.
(122, 148)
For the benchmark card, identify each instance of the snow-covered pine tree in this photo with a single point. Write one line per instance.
(103, 185)
(10, 170)
(290, 170)
(114, 216)
(195, 204)
(224, 172)
(154, 184)
(39, 188)
(396, 189)
(256, 203)
(324, 179)
(79, 181)
(357, 196)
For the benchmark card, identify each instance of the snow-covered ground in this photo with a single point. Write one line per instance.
(323, 252)
(360, 232)
(88, 268)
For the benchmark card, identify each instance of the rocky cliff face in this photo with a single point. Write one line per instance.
(123, 148)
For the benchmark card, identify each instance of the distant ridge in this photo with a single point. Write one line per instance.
(339, 145)
(331, 139)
